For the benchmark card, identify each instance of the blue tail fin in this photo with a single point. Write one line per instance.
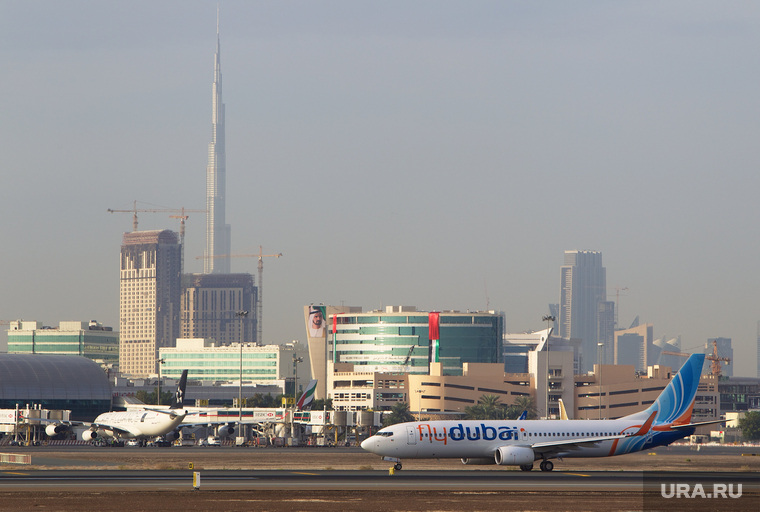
(674, 405)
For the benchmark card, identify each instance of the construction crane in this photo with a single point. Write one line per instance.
(715, 360)
(618, 289)
(180, 213)
(261, 257)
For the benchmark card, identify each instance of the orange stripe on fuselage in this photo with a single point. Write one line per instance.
(615, 442)
(614, 447)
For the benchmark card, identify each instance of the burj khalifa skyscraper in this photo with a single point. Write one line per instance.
(217, 230)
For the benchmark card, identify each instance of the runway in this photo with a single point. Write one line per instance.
(246, 480)
(291, 480)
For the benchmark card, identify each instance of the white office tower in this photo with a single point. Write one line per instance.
(582, 289)
(149, 299)
(217, 231)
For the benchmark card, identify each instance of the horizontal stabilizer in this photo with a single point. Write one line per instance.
(698, 424)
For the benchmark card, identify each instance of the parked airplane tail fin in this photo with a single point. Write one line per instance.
(675, 403)
(304, 403)
(179, 396)
(562, 410)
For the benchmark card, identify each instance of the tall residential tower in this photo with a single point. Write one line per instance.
(149, 299)
(217, 230)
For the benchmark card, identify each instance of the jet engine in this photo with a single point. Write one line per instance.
(172, 436)
(226, 430)
(89, 435)
(53, 430)
(478, 461)
(514, 456)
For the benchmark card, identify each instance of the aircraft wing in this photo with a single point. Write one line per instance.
(570, 444)
(169, 412)
(112, 428)
(68, 423)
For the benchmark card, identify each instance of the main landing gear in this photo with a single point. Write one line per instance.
(546, 465)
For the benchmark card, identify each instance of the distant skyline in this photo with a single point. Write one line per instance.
(436, 154)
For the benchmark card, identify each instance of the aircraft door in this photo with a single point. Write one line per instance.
(411, 436)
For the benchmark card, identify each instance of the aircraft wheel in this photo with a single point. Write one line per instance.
(526, 467)
(397, 466)
(547, 465)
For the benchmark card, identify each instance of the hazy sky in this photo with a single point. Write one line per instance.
(430, 153)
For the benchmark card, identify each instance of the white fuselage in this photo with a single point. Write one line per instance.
(481, 439)
(138, 423)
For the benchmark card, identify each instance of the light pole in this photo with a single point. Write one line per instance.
(158, 398)
(241, 315)
(547, 319)
(296, 360)
(599, 349)
(419, 403)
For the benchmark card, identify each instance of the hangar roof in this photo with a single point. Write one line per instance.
(35, 376)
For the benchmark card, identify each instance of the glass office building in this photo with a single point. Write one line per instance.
(89, 339)
(398, 340)
(206, 361)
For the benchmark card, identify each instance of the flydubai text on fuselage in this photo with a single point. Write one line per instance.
(522, 442)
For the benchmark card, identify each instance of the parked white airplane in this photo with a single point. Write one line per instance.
(520, 443)
(141, 423)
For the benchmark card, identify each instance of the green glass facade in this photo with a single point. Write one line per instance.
(205, 362)
(99, 345)
(399, 342)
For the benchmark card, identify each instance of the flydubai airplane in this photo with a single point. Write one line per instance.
(140, 423)
(520, 443)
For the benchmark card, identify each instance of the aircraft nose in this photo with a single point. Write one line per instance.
(368, 443)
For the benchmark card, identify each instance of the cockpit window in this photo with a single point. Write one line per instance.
(385, 434)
